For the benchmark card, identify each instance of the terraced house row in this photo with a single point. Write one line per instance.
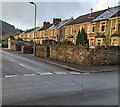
(99, 26)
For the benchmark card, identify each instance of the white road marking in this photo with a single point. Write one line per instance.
(76, 73)
(59, 73)
(26, 75)
(25, 66)
(42, 74)
(11, 60)
(46, 73)
(10, 76)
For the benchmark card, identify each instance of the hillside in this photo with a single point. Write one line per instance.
(7, 28)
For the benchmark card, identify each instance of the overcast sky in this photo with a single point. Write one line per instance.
(21, 14)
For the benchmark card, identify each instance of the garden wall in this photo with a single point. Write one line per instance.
(14, 46)
(42, 51)
(86, 56)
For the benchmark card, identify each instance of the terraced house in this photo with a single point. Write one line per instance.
(56, 31)
(17, 35)
(29, 35)
(98, 26)
(42, 32)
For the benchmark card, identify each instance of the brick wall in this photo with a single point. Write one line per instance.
(84, 56)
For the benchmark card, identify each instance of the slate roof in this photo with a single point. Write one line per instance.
(97, 16)
(117, 14)
(62, 23)
(22, 33)
(108, 14)
(44, 27)
(30, 30)
(87, 17)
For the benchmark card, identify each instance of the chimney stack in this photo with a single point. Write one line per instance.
(46, 24)
(56, 21)
(91, 11)
(90, 16)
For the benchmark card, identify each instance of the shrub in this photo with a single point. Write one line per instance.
(82, 38)
(49, 42)
(66, 42)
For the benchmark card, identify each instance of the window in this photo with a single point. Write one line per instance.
(114, 39)
(114, 42)
(99, 42)
(103, 26)
(93, 27)
(88, 29)
(71, 30)
(92, 44)
(66, 31)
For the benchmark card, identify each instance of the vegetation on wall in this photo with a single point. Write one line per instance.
(107, 39)
(67, 42)
(49, 42)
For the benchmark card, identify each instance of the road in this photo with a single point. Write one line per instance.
(30, 82)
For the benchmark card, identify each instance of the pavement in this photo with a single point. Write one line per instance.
(72, 66)
(27, 81)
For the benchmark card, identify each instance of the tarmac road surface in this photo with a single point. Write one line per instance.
(30, 82)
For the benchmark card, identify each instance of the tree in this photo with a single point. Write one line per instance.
(11, 37)
(82, 38)
(79, 39)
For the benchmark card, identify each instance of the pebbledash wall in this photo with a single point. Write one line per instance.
(85, 56)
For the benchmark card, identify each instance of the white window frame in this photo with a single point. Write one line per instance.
(88, 28)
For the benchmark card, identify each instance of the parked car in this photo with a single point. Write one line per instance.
(4, 44)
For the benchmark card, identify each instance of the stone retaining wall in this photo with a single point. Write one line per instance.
(13, 46)
(84, 56)
(42, 51)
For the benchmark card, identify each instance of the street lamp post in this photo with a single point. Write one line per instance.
(34, 51)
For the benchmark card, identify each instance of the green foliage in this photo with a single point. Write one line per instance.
(82, 38)
(79, 39)
(107, 39)
(11, 37)
(66, 42)
(20, 39)
(49, 42)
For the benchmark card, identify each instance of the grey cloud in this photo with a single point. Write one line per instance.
(21, 14)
